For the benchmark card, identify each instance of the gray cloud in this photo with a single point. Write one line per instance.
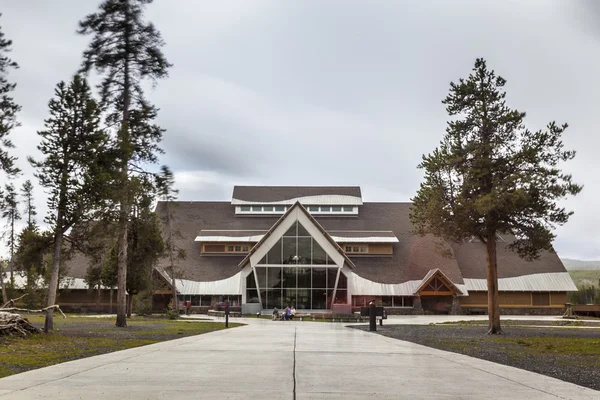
(341, 92)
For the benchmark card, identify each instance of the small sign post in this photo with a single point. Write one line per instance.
(227, 314)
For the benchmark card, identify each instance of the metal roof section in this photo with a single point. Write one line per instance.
(324, 200)
(366, 287)
(231, 285)
(545, 282)
(66, 282)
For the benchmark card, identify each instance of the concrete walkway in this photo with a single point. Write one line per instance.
(285, 360)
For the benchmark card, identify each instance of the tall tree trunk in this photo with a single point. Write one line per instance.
(124, 204)
(4, 296)
(492, 284)
(110, 301)
(53, 286)
(98, 299)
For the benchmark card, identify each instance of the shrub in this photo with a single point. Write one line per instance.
(172, 314)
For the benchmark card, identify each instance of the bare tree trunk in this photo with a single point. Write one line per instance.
(53, 286)
(129, 305)
(4, 295)
(492, 283)
(110, 301)
(98, 294)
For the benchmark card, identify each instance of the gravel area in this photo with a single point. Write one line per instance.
(572, 355)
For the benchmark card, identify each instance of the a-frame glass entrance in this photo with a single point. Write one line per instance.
(297, 271)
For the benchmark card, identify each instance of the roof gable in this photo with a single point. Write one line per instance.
(297, 213)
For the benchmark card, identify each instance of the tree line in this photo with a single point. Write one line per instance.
(96, 153)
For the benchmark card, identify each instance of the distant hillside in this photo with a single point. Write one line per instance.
(580, 265)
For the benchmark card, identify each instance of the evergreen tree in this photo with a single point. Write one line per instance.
(72, 145)
(30, 258)
(126, 50)
(165, 183)
(27, 194)
(491, 175)
(9, 211)
(8, 108)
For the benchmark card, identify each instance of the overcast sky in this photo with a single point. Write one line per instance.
(332, 92)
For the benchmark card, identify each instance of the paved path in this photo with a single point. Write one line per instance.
(285, 360)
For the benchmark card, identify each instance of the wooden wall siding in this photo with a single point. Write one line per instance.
(515, 299)
(558, 299)
(372, 248)
(223, 247)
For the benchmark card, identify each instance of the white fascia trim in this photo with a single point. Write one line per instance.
(372, 239)
(257, 238)
(231, 239)
(326, 200)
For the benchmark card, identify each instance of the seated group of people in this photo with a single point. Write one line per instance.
(286, 315)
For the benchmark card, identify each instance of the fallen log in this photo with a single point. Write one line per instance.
(12, 302)
(43, 310)
(16, 325)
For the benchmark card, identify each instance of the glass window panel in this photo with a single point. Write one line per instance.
(250, 281)
(325, 209)
(268, 208)
(319, 278)
(263, 260)
(289, 298)
(245, 208)
(261, 274)
(238, 248)
(313, 208)
(251, 296)
(319, 299)
(341, 297)
(273, 278)
(364, 249)
(408, 301)
(318, 254)
(303, 299)
(336, 208)
(331, 276)
(329, 298)
(386, 301)
(257, 208)
(302, 230)
(274, 299)
(355, 249)
(229, 248)
(279, 208)
(289, 277)
(348, 209)
(289, 250)
(304, 244)
(358, 301)
(342, 281)
(348, 249)
(291, 231)
(304, 277)
(330, 261)
(274, 255)
(245, 248)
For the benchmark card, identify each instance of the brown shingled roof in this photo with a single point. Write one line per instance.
(280, 193)
(414, 256)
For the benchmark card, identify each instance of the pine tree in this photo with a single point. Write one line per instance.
(490, 175)
(167, 193)
(71, 172)
(9, 211)
(8, 108)
(27, 194)
(125, 50)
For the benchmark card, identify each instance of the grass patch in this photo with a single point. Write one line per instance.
(79, 337)
(554, 345)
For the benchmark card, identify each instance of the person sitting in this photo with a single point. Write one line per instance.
(275, 314)
(292, 312)
(288, 313)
